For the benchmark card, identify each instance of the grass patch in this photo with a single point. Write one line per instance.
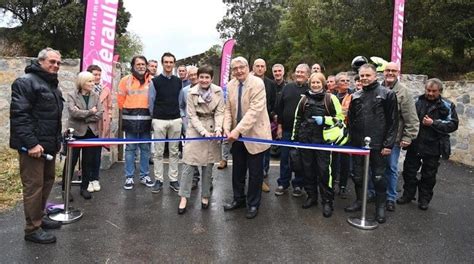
(10, 182)
(11, 190)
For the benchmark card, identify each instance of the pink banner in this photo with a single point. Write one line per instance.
(99, 37)
(397, 32)
(225, 63)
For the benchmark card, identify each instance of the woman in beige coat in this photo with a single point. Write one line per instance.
(85, 111)
(205, 109)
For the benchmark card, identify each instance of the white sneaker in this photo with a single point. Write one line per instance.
(96, 185)
(90, 187)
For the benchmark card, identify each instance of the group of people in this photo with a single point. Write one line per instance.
(252, 106)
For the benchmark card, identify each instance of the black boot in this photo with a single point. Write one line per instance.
(380, 208)
(310, 201)
(327, 209)
(357, 204)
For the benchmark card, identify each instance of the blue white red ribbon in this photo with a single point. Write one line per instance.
(120, 141)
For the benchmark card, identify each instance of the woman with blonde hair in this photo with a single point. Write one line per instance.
(316, 110)
(85, 111)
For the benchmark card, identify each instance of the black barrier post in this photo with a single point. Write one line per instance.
(68, 215)
(362, 222)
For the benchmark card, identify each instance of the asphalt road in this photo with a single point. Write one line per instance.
(136, 226)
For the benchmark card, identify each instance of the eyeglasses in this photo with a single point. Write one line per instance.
(236, 68)
(391, 70)
(55, 62)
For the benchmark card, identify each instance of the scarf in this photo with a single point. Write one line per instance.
(205, 94)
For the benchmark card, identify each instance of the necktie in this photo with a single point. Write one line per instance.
(239, 104)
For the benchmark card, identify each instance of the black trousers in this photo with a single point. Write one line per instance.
(243, 161)
(90, 163)
(341, 167)
(429, 168)
(377, 166)
(316, 166)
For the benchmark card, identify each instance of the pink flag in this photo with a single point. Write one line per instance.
(397, 32)
(99, 37)
(225, 63)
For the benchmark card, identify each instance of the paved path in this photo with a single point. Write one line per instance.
(137, 226)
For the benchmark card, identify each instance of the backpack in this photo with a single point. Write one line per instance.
(337, 133)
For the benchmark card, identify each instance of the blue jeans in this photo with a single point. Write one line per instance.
(131, 152)
(285, 170)
(391, 173)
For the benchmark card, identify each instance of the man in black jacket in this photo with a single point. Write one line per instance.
(35, 125)
(286, 107)
(373, 113)
(438, 118)
(259, 69)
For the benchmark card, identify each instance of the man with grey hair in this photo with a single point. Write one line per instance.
(278, 71)
(285, 110)
(437, 119)
(407, 128)
(35, 130)
(246, 116)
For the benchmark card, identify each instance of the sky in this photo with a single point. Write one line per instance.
(182, 27)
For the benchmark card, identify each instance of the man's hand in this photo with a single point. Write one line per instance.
(404, 144)
(35, 151)
(427, 121)
(279, 131)
(93, 110)
(386, 151)
(233, 136)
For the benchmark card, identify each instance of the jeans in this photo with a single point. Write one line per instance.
(131, 152)
(391, 173)
(285, 170)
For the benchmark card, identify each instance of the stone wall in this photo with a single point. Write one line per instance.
(460, 92)
(12, 68)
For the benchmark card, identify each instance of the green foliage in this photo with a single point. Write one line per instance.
(57, 24)
(437, 34)
(128, 45)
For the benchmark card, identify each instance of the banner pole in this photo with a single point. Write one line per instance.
(69, 215)
(362, 222)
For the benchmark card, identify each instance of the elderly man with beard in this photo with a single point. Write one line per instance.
(132, 99)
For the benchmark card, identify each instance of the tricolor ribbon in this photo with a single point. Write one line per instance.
(119, 141)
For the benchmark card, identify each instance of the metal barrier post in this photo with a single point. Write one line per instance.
(362, 222)
(69, 215)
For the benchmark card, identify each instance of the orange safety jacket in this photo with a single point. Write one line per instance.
(132, 99)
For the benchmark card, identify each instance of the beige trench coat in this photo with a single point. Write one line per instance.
(203, 117)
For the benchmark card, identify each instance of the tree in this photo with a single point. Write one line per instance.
(57, 24)
(128, 45)
(252, 24)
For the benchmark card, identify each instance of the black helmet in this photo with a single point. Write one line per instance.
(357, 62)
